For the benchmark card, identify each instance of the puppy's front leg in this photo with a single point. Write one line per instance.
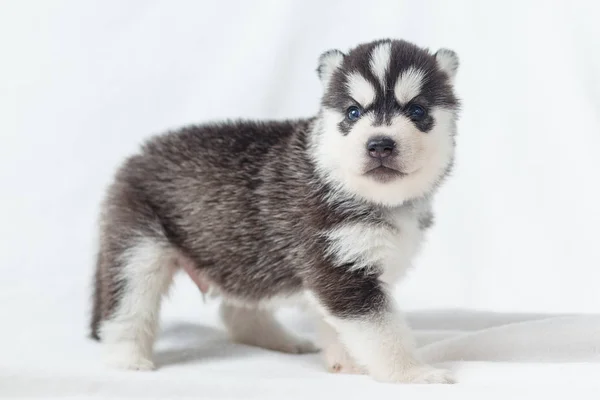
(372, 330)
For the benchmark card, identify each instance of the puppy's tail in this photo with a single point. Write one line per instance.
(96, 301)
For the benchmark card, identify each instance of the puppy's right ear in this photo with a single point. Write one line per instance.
(447, 61)
(329, 62)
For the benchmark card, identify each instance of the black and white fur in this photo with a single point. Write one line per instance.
(268, 211)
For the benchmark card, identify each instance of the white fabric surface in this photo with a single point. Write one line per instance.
(83, 82)
(508, 352)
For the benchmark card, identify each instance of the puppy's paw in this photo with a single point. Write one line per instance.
(338, 361)
(280, 342)
(345, 368)
(127, 356)
(131, 363)
(302, 346)
(291, 345)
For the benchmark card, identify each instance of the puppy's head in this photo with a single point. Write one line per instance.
(386, 128)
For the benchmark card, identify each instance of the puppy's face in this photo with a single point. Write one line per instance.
(387, 123)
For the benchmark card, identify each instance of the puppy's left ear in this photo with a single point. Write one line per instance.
(329, 62)
(447, 61)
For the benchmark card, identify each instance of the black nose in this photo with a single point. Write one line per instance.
(380, 147)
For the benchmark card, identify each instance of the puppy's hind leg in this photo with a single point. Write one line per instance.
(258, 327)
(134, 281)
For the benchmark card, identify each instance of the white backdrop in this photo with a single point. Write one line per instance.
(82, 83)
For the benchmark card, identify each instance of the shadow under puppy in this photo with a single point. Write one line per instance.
(330, 210)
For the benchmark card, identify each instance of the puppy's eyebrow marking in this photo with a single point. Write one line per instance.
(408, 85)
(380, 61)
(360, 89)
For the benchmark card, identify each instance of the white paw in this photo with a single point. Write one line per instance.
(283, 344)
(296, 346)
(345, 368)
(131, 363)
(426, 374)
(305, 346)
(338, 361)
(128, 357)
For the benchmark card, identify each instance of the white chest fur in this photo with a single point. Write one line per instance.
(390, 247)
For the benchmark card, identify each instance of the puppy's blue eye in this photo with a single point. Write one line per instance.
(416, 112)
(353, 113)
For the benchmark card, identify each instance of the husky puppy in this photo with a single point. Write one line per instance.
(331, 209)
